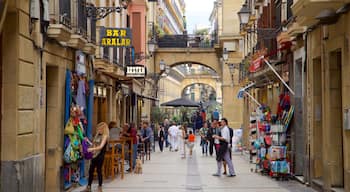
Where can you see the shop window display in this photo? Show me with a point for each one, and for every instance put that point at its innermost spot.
(270, 140)
(76, 128)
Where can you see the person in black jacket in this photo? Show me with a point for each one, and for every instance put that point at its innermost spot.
(210, 138)
(161, 138)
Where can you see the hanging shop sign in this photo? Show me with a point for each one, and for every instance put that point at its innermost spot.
(255, 65)
(115, 37)
(135, 71)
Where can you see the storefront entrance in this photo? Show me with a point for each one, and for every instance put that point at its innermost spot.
(53, 131)
(317, 132)
(335, 124)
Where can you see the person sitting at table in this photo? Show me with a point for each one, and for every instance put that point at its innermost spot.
(131, 132)
(114, 131)
(146, 135)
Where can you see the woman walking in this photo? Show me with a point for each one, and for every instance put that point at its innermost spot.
(181, 141)
(99, 150)
(161, 137)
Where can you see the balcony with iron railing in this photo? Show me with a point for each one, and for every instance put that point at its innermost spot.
(106, 53)
(81, 25)
(184, 41)
(65, 13)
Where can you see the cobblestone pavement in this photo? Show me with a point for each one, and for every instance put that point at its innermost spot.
(167, 172)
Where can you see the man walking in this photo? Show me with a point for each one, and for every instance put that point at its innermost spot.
(173, 129)
(166, 128)
(204, 142)
(223, 152)
(210, 138)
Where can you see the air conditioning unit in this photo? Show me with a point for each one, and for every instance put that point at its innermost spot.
(230, 46)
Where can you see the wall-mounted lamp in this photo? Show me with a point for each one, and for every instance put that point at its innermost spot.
(98, 13)
(225, 55)
(327, 17)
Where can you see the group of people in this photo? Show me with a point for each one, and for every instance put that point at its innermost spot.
(218, 137)
(105, 133)
(176, 137)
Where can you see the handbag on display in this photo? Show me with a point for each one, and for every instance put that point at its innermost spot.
(69, 128)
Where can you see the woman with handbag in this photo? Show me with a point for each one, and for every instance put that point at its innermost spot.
(98, 149)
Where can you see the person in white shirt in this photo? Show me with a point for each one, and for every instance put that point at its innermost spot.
(173, 129)
(224, 153)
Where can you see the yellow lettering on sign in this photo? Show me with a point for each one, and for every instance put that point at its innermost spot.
(103, 42)
(128, 42)
(123, 33)
(114, 43)
(108, 42)
(109, 32)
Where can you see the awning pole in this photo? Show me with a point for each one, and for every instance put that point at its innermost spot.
(252, 98)
(273, 69)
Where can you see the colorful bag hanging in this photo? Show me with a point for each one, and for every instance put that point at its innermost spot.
(67, 154)
(85, 145)
(69, 129)
(268, 140)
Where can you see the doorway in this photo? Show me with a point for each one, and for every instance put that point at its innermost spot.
(299, 130)
(335, 129)
(317, 157)
(52, 118)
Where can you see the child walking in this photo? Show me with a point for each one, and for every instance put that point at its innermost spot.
(191, 139)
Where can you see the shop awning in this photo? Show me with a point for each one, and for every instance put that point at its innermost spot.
(181, 102)
(148, 97)
(244, 91)
(275, 72)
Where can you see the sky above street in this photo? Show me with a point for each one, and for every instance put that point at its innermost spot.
(197, 13)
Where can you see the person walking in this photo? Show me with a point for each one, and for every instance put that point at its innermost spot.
(161, 136)
(173, 129)
(181, 138)
(204, 142)
(223, 152)
(210, 138)
(191, 140)
(99, 145)
(166, 125)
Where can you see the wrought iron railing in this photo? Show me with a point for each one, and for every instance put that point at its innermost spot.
(65, 13)
(278, 12)
(93, 30)
(106, 53)
(81, 27)
(289, 9)
(184, 41)
(115, 56)
(128, 60)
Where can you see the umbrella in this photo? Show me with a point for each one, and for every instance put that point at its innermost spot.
(181, 102)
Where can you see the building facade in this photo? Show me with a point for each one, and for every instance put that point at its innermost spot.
(326, 50)
(45, 45)
(227, 37)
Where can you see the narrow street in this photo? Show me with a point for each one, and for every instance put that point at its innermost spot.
(167, 172)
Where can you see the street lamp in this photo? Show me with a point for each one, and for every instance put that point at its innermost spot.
(244, 14)
(162, 65)
(98, 13)
(231, 68)
(225, 54)
(151, 46)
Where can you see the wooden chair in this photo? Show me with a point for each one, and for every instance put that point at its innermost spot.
(130, 141)
(117, 165)
(141, 151)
